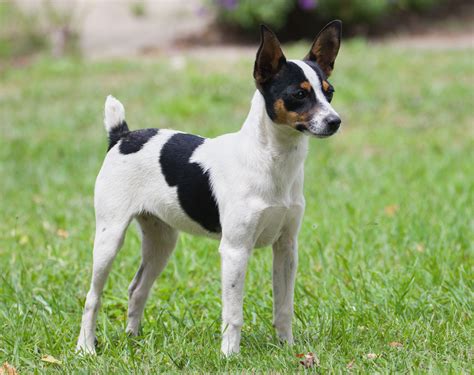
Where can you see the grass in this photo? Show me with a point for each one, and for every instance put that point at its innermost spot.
(386, 249)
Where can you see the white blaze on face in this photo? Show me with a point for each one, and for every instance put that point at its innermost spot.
(325, 109)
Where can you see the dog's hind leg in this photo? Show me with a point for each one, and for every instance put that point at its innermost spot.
(108, 241)
(158, 242)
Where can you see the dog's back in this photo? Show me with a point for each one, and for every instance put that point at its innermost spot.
(152, 172)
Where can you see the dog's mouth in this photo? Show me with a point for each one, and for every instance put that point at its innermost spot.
(307, 130)
(324, 135)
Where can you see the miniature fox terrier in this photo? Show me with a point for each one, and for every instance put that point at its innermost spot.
(244, 189)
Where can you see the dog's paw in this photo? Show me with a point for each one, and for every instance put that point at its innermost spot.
(286, 337)
(230, 340)
(228, 352)
(229, 348)
(132, 331)
(83, 348)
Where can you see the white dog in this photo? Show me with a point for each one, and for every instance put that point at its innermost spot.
(244, 188)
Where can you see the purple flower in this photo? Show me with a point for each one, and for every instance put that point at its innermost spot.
(202, 11)
(307, 4)
(228, 4)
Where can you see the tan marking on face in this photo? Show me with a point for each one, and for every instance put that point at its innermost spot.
(325, 86)
(306, 86)
(290, 118)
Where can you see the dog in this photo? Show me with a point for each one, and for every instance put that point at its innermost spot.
(243, 188)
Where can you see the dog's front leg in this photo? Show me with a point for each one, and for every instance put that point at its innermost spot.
(285, 262)
(234, 261)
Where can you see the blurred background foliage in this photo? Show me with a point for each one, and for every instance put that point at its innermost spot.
(19, 32)
(56, 30)
(50, 28)
(300, 18)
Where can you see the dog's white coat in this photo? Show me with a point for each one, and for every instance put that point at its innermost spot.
(257, 176)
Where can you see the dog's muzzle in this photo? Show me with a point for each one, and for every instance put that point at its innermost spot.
(330, 125)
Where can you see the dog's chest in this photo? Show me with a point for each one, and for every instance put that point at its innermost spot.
(270, 224)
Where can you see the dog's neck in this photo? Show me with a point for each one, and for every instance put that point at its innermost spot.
(279, 140)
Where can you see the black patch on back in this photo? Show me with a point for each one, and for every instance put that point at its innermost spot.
(116, 133)
(282, 86)
(194, 188)
(134, 141)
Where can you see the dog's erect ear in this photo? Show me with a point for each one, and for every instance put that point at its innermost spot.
(326, 46)
(270, 57)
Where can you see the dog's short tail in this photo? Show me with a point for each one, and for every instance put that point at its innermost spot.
(114, 120)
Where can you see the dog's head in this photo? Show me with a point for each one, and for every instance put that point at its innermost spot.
(297, 92)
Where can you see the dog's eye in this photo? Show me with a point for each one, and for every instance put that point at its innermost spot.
(300, 94)
(329, 96)
(329, 93)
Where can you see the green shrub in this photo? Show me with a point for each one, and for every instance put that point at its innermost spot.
(354, 11)
(19, 33)
(247, 14)
(27, 33)
(418, 5)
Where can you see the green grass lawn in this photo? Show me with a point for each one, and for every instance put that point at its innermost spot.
(386, 249)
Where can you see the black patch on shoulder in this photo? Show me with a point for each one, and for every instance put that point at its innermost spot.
(116, 133)
(194, 188)
(134, 141)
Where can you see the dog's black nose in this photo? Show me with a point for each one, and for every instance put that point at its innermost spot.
(333, 122)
